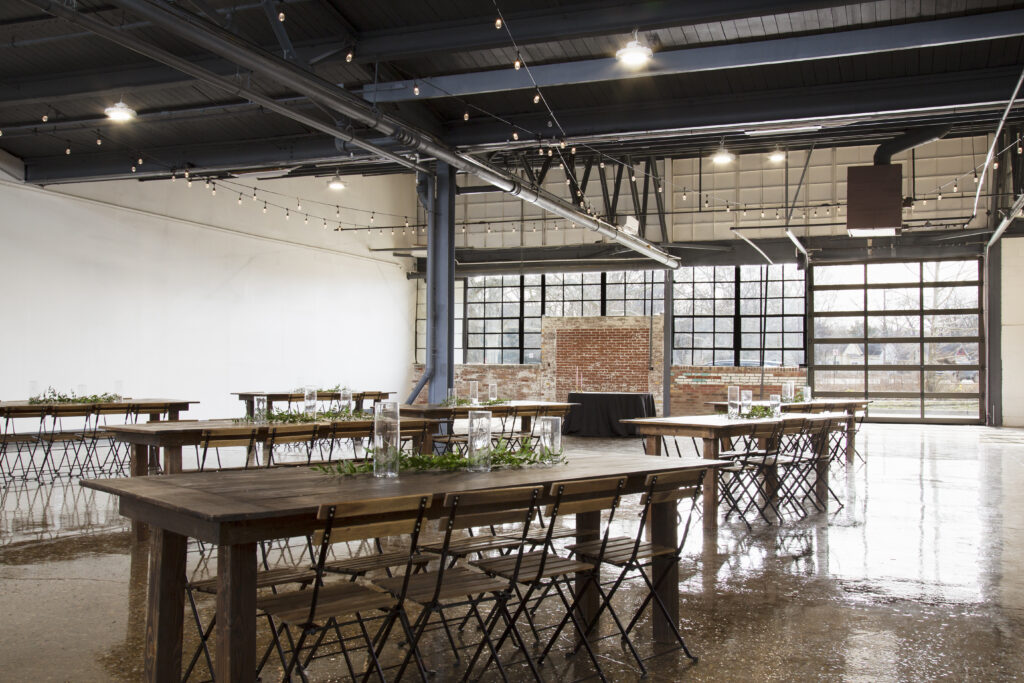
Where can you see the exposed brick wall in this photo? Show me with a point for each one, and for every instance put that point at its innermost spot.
(694, 385)
(611, 354)
(514, 381)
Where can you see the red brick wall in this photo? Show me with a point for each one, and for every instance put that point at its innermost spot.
(592, 359)
(514, 381)
(693, 385)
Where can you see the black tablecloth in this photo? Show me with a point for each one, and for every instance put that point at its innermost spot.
(598, 413)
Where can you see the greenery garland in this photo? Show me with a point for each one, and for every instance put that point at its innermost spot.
(51, 395)
(454, 402)
(758, 412)
(286, 417)
(502, 456)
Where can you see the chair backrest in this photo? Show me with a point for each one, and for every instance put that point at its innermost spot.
(227, 437)
(576, 497)
(666, 487)
(342, 519)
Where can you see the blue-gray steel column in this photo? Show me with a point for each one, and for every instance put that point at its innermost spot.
(668, 340)
(441, 283)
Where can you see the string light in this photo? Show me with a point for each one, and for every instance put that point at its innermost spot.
(1020, 148)
(67, 150)
(573, 151)
(174, 176)
(188, 181)
(140, 161)
(776, 214)
(706, 202)
(406, 222)
(254, 194)
(975, 176)
(995, 165)
(99, 140)
(348, 57)
(264, 207)
(955, 188)
(373, 215)
(280, 16)
(298, 204)
(206, 183)
(497, 23)
(727, 210)
(465, 116)
(536, 98)
(287, 216)
(325, 224)
(133, 169)
(762, 213)
(415, 90)
(47, 118)
(684, 193)
(337, 212)
(305, 220)
(213, 190)
(561, 144)
(602, 166)
(239, 198)
(518, 64)
(515, 134)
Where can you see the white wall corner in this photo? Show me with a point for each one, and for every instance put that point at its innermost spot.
(11, 167)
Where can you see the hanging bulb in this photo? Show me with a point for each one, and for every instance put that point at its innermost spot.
(133, 169)
(465, 116)
(373, 215)
(540, 151)
(254, 194)
(572, 151)
(684, 194)
(264, 207)
(407, 221)
(744, 211)
(706, 203)
(348, 57)
(337, 212)
(838, 209)
(67, 150)
(517, 64)
(140, 161)
(380, 231)
(187, 175)
(206, 183)
(727, 210)
(173, 176)
(287, 215)
(497, 23)
(975, 176)
(515, 134)
(776, 214)
(415, 90)
(280, 16)
(924, 202)
(392, 231)
(632, 176)
(325, 224)
(995, 165)
(955, 188)
(239, 199)
(189, 182)
(826, 211)
(45, 118)
(99, 141)
(305, 220)
(213, 190)
(562, 144)
(536, 98)
(602, 166)
(1020, 148)
(298, 205)
(762, 213)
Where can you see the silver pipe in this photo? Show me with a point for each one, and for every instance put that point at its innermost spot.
(995, 141)
(199, 73)
(227, 45)
(1015, 211)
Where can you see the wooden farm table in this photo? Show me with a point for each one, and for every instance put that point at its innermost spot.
(153, 407)
(716, 431)
(171, 436)
(525, 410)
(234, 510)
(848, 406)
(358, 397)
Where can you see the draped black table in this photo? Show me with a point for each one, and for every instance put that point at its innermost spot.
(597, 413)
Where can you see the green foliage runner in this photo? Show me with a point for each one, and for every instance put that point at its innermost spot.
(51, 395)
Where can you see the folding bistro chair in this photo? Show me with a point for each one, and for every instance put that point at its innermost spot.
(544, 570)
(636, 556)
(451, 587)
(230, 437)
(750, 477)
(324, 608)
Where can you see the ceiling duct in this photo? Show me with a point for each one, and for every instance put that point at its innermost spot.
(875, 193)
(226, 44)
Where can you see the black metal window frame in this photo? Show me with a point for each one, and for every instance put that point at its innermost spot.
(719, 318)
(921, 340)
(585, 293)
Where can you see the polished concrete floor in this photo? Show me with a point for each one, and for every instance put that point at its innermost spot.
(919, 577)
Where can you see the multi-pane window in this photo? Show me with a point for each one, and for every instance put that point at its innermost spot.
(572, 294)
(905, 335)
(493, 312)
(739, 315)
(634, 292)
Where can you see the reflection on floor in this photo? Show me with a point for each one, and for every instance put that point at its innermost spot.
(918, 577)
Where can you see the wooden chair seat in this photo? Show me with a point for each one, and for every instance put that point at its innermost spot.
(458, 582)
(17, 438)
(473, 544)
(619, 551)
(541, 535)
(368, 563)
(344, 597)
(530, 569)
(265, 579)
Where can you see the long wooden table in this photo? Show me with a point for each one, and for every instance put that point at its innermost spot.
(234, 510)
(848, 406)
(170, 437)
(714, 431)
(153, 407)
(359, 398)
(524, 410)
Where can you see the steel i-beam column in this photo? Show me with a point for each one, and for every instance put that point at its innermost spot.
(441, 283)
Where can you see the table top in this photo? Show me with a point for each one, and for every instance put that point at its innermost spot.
(292, 395)
(431, 408)
(240, 496)
(17, 408)
(797, 405)
(612, 393)
(719, 424)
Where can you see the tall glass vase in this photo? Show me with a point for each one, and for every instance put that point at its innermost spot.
(549, 437)
(386, 439)
(479, 458)
(309, 400)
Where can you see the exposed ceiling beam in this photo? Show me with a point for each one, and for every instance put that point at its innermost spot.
(834, 105)
(563, 23)
(917, 35)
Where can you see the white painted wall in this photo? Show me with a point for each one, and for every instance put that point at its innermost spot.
(1013, 330)
(190, 296)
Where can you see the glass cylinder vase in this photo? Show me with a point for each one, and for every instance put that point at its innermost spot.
(309, 400)
(734, 402)
(549, 437)
(479, 455)
(386, 439)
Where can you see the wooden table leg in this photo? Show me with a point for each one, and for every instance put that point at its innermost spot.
(821, 479)
(138, 464)
(235, 655)
(663, 532)
(154, 451)
(166, 608)
(851, 433)
(652, 445)
(588, 528)
(172, 459)
(711, 487)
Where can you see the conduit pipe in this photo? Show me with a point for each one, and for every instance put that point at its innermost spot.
(224, 43)
(115, 36)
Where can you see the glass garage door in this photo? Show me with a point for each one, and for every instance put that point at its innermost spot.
(905, 335)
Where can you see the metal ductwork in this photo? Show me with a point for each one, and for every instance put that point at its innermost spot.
(226, 44)
(914, 138)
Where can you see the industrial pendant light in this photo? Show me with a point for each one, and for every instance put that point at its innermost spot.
(120, 112)
(336, 183)
(635, 54)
